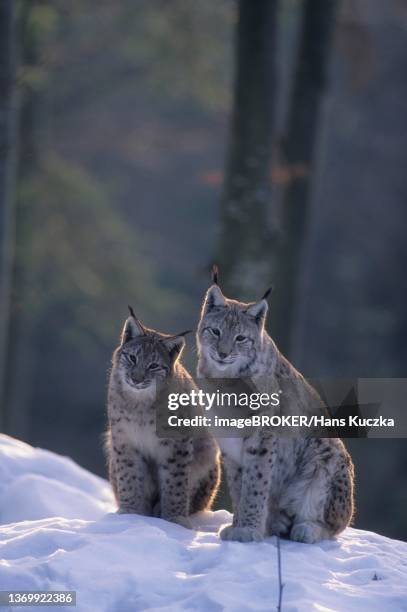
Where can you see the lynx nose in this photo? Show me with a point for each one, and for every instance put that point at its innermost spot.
(222, 355)
(137, 378)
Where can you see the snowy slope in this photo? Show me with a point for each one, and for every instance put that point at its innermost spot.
(65, 535)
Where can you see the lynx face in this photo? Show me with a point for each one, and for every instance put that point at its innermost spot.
(230, 332)
(146, 357)
(142, 363)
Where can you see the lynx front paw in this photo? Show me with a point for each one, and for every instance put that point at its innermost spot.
(181, 520)
(240, 534)
(308, 532)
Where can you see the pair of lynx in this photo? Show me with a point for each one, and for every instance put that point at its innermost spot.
(298, 487)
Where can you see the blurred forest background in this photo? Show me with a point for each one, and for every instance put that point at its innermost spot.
(140, 141)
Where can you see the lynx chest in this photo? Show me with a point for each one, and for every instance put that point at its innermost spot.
(232, 448)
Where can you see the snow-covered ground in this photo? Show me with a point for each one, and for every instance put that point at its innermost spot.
(59, 531)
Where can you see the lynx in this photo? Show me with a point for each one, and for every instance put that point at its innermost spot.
(299, 487)
(167, 478)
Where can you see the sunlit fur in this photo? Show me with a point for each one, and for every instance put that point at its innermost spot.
(144, 358)
(230, 334)
(300, 487)
(169, 478)
(143, 362)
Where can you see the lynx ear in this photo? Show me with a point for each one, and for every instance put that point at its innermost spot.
(214, 297)
(132, 328)
(259, 312)
(175, 345)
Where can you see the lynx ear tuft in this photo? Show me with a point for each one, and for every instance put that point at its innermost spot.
(215, 274)
(259, 312)
(268, 293)
(131, 311)
(214, 297)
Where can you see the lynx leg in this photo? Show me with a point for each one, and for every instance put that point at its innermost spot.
(234, 480)
(205, 489)
(321, 501)
(339, 507)
(173, 477)
(131, 481)
(250, 523)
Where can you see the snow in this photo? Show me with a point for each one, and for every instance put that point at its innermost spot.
(59, 531)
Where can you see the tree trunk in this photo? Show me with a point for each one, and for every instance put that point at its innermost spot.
(244, 248)
(8, 163)
(21, 352)
(317, 27)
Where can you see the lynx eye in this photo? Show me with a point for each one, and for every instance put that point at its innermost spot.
(240, 338)
(215, 331)
(153, 366)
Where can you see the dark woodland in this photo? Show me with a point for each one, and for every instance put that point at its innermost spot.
(141, 143)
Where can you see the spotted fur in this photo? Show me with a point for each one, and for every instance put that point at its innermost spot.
(299, 487)
(168, 478)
